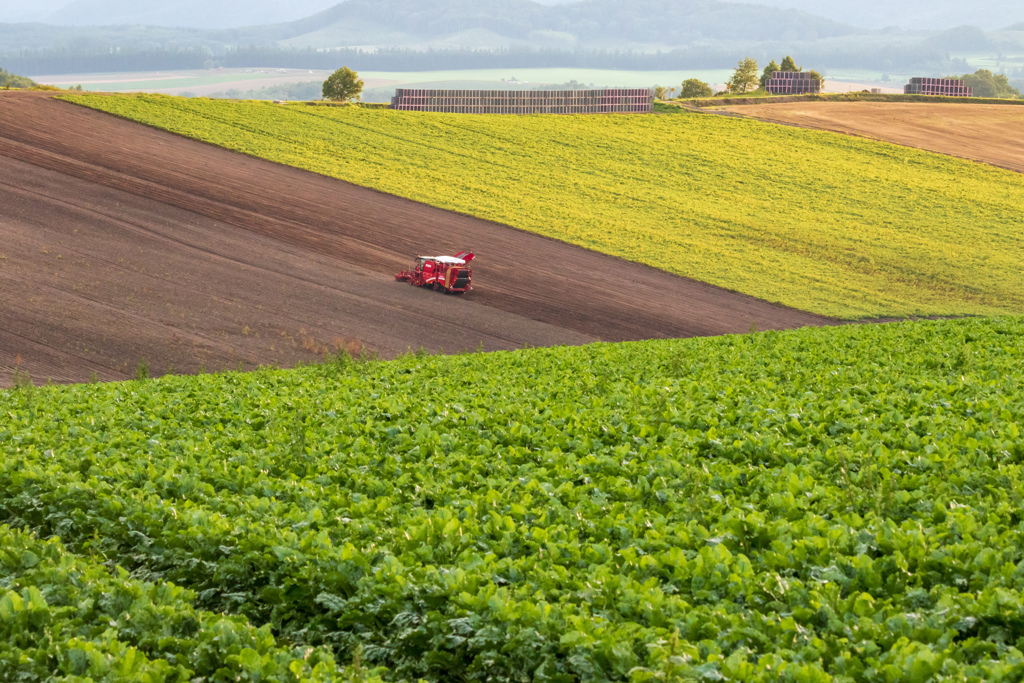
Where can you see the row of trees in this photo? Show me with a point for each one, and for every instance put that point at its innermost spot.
(106, 61)
(344, 84)
(747, 77)
(691, 87)
(9, 80)
(987, 84)
(894, 57)
(60, 61)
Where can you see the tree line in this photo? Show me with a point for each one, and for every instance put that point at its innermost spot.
(64, 61)
(987, 84)
(401, 59)
(746, 78)
(749, 78)
(9, 80)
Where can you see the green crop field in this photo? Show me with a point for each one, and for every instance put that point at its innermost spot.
(63, 616)
(824, 504)
(819, 221)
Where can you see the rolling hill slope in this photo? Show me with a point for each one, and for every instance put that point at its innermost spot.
(818, 221)
(121, 243)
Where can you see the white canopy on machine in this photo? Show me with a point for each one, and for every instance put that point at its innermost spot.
(449, 260)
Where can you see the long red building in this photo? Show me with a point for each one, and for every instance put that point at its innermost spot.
(950, 87)
(603, 101)
(793, 83)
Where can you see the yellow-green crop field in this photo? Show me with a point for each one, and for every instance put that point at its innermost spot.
(819, 221)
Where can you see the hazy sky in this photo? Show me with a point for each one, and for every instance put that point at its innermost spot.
(89, 12)
(923, 14)
(194, 13)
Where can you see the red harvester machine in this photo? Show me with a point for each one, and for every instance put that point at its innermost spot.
(449, 274)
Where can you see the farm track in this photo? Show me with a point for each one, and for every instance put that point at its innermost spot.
(121, 243)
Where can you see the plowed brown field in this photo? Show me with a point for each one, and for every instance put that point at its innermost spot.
(990, 133)
(120, 243)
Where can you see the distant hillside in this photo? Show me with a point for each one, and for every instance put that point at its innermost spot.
(963, 39)
(483, 24)
(971, 39)
(930, 15)
(591, 23)
(454, 34)
(638, 25)
(221, 14)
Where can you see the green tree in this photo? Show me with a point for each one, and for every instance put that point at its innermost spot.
(789, 65)
(768, 71)
(745, 77)
(987, 84)
(9, 80)
(660, 93)
(342, 85)
(693, 87)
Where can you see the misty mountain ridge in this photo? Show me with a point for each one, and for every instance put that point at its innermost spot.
(612, 24)
(200, 14)
(633, 25)
(228, 14)
(397, 35)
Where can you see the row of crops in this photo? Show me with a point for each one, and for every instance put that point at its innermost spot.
(822, 222)
(828, 504)
(72, 617)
